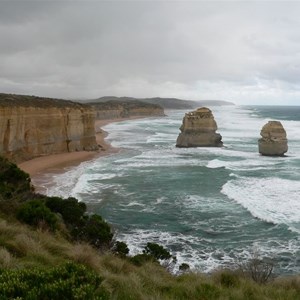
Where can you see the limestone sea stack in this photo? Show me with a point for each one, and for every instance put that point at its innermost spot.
(273, 141)
(198, 129)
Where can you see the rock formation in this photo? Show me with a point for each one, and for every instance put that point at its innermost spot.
(198, 129)
(273, 141)
(32, 126)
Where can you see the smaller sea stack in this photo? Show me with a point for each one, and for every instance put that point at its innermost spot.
(273, 141)
(198, 129)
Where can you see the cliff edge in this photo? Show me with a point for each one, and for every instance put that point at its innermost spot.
(34, 126)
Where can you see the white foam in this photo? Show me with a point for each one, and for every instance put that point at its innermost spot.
(252, 163)
(160, 200)
(200, 253)
(134, 203)
(63, 184)
(272, 199)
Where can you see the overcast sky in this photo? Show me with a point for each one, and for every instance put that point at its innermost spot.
(242, 51)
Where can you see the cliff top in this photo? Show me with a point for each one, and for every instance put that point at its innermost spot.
(28, 101)
(127, 104)
(166, 103)
(199, 111)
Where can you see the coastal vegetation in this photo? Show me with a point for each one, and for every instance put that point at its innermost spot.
(13, 100)
(52, 248)
(166, 103)
(124, 108)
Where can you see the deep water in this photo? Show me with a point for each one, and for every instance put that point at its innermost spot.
(212, 207)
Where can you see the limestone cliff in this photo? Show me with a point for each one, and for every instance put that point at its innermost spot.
(198, 129)
(273, 141)
(33, 126)
(123, 109)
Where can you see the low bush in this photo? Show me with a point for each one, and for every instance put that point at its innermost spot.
(36, 214)
(184, 267)
(94, 231)
(71, 209)
(69, 281)
(141, 259)
(161, 254)
(120, 248)
(13, 181)
(157, 251)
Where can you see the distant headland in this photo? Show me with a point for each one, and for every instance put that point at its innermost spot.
(166, 103)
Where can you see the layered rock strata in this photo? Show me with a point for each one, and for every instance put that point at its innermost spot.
(273, 141)
(198, 129)
(121, 109)
(32, 126)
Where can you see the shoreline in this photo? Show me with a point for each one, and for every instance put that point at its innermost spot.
(57, 163)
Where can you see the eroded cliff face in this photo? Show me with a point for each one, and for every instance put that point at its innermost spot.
(198, 129)
(118, 110)
(36, 127)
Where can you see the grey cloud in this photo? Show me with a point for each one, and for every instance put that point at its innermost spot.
(181, 49)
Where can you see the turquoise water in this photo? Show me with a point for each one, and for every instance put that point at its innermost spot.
(212, 207)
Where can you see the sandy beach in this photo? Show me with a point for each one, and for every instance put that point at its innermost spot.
(58, 162)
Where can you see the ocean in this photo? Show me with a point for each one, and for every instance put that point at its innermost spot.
(211, 207)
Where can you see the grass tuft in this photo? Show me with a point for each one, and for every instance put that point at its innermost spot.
(6, 259)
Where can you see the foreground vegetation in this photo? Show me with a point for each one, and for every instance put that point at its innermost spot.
(51, 248)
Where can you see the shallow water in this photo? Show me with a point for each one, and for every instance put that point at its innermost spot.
(212, 207)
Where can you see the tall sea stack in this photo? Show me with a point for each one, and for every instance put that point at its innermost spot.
(273, 141)
(198, 129)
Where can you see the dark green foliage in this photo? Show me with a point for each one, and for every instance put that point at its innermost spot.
(35, 213)
(69, 281)
(13, 181)
(95, 231)
(120, 248)
(184, 267)
(153, 253)
(91, 229)
(71, 209)
(157, 251)
(141, 259)
(40, 210)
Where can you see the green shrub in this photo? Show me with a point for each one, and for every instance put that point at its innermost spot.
(184, 267)
(157, 251)
(71, 210)
(69, 281)
(13, 181)
(35, 213)
(120, 248)
(141, 259)
(94, 231)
